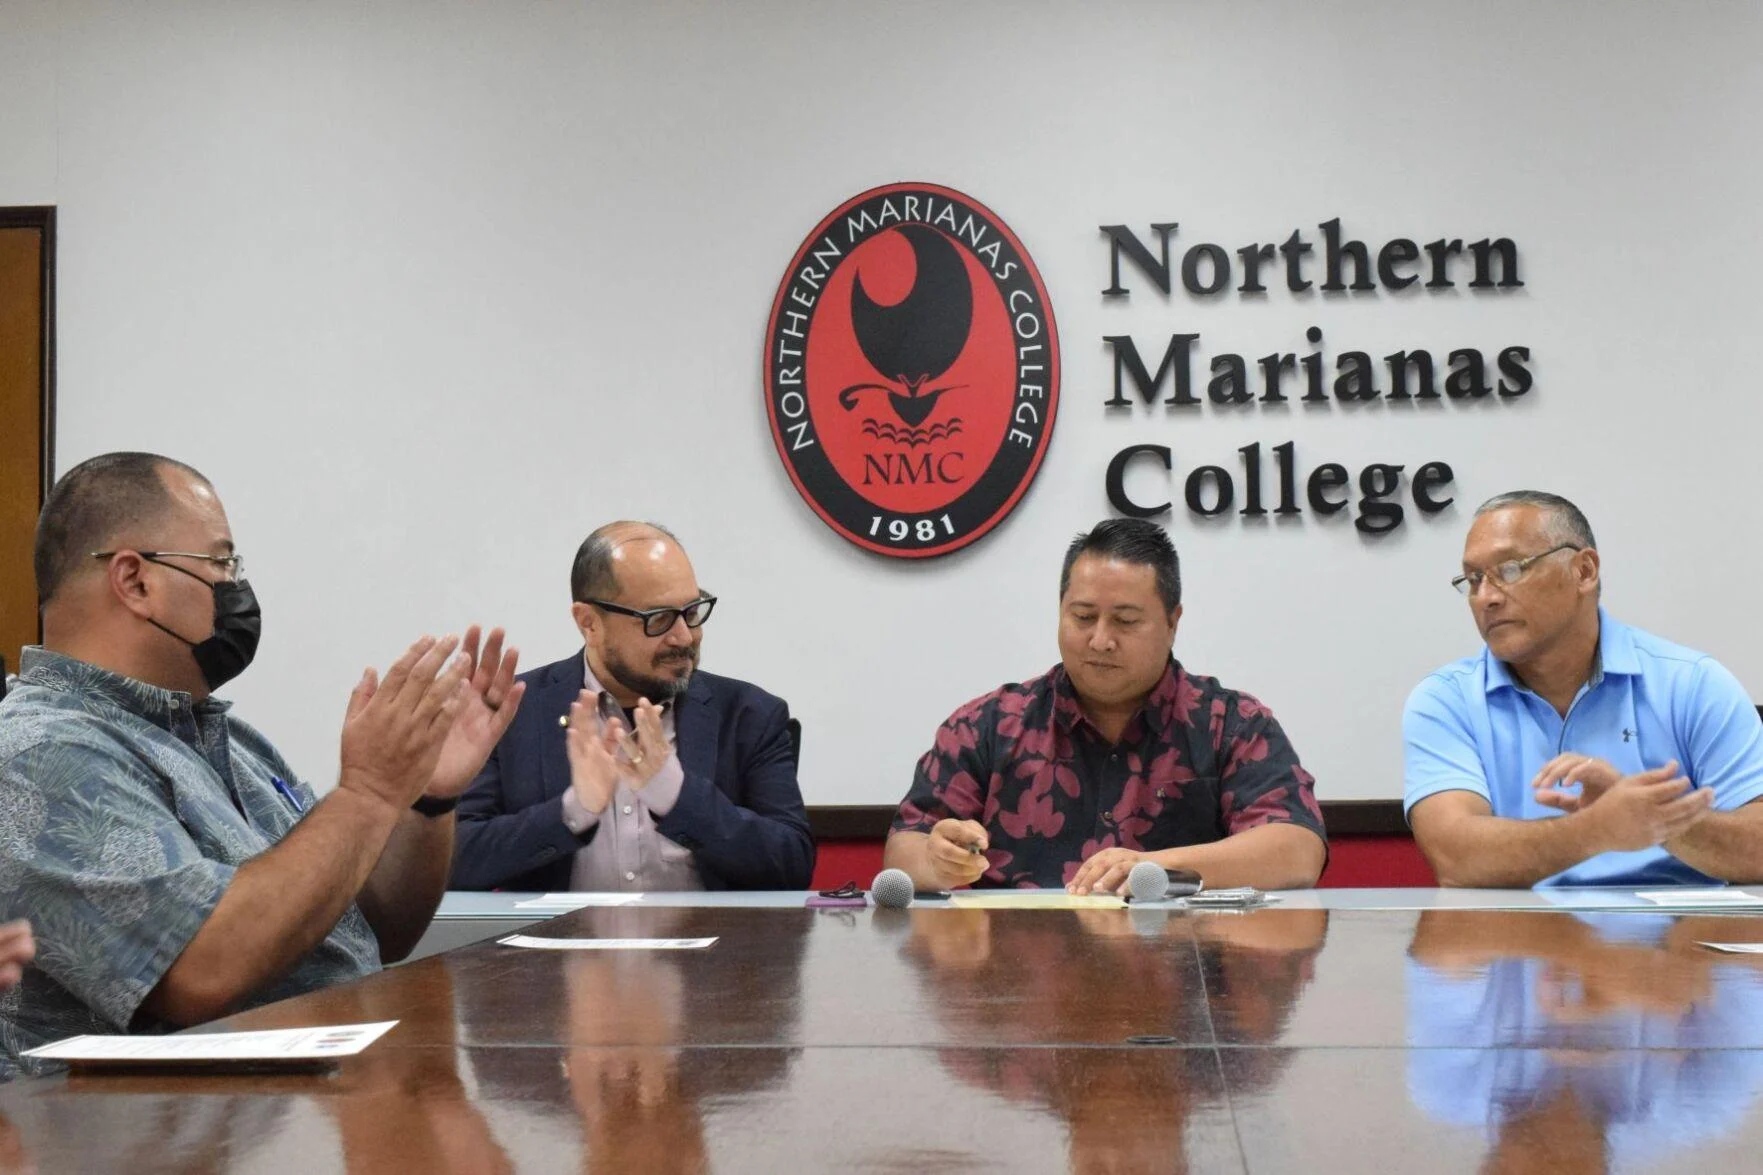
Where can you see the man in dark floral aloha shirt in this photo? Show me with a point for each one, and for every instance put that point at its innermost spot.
(1115, 756)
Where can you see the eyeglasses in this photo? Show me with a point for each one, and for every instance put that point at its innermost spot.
(1505, 574)
(232, 567)
(657, 621)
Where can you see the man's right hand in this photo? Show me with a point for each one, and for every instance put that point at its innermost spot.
(1640, 811)
(1590, 775)
(593, 753)
(956, 850)
(394, 730)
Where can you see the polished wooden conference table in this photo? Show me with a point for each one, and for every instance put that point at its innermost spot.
(1383, 1031)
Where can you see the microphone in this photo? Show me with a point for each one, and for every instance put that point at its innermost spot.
(1147, 882)
(892, 889)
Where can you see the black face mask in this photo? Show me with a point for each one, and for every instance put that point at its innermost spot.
(238, 624)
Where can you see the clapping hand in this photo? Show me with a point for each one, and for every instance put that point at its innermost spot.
(488, 700)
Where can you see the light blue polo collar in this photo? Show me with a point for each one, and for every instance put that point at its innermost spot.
(1616, 658)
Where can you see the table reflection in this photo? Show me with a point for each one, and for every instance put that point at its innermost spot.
(638, 1107)
(1255, 967)
(1126, 973)
(1584, 1042)
(15, 1157)
(408, 1108)
(141, 1124)
(393, 1108)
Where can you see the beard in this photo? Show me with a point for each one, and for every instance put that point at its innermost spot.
(657, 688)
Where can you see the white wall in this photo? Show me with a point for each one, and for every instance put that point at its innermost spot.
(431, 290)
(27, 102)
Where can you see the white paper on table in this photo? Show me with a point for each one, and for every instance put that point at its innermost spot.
(1735, 948)
(281, 1044)
(606, 944)
(1723, 896)
(577, 901)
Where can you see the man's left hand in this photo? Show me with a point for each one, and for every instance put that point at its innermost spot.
(1105, 872)
(17, 948)
(490, 698)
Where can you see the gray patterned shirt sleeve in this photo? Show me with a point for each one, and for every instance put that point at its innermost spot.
(95, 857)
(125, 811)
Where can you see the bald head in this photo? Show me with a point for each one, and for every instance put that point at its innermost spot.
(615, 546)
(98, 502)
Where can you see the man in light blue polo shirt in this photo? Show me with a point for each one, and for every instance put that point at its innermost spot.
(1573, 749)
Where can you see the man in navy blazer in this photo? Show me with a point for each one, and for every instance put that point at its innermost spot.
(702, 794)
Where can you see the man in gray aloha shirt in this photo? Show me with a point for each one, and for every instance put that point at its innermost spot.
(174, 867)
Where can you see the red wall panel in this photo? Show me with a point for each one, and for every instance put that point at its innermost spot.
(1353, 862)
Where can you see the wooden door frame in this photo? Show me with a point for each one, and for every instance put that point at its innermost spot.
(42, 218)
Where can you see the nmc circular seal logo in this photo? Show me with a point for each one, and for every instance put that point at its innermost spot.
(912, 370)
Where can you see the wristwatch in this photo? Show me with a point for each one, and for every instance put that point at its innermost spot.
(434, 806)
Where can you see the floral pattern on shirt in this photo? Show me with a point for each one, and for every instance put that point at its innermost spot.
(1199, 762)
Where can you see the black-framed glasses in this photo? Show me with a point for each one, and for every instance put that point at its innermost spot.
(657, 621)
(1505, 574)
(232, 567)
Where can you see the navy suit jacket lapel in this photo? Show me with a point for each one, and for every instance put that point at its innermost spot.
(561, 687)
(695, 729)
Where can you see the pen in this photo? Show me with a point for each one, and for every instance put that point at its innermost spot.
(281, 785)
